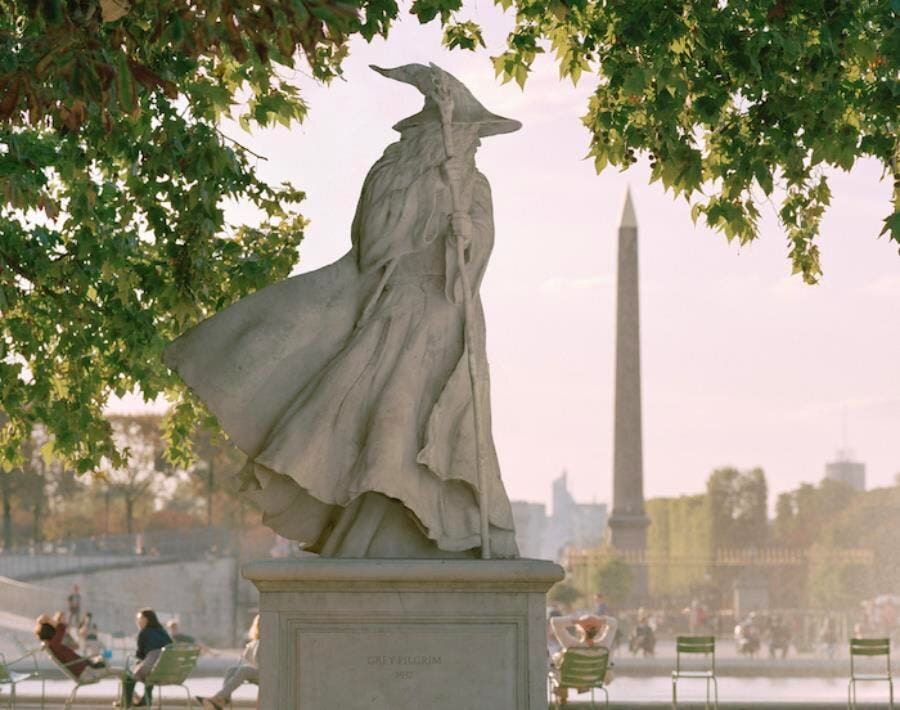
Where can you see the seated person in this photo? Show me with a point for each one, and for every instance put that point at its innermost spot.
(247, 670)
(642, 638)
(553, 645)
(594, 634)
(87, 633)
(52, 631)
(177, 635)
(151, 640)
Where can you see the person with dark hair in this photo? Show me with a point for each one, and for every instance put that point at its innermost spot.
(52, 632)
(643, 637)
(151, 640)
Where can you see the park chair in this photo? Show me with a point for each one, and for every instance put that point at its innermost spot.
(12, 678)
(581, 669)
(175, 663)
(870, 648)
(80, 681)
(690, 645)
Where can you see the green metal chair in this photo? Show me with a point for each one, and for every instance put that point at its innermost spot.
(581, 669)
(870, 648)
(175, 663)
(12, 678)
(690, 645)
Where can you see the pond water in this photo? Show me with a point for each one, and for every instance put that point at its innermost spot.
(623, 688)
(744, 689)
(109, 689)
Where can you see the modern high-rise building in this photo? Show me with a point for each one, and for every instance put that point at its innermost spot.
(845, 470)
(543, 536)
(531, 524)
(573, 524)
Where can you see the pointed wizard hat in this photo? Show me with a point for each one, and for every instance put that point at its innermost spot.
(466, 108)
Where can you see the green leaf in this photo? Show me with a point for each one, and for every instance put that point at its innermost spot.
(696, 210)
(463, 35)
(48, 453)
(892, 227)
(125, 87)
(634, 82)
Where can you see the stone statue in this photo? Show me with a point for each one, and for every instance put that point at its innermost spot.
(354, 389)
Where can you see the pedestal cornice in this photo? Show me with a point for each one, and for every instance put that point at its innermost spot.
(352, 575)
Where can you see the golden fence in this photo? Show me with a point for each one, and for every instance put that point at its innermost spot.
(738, 557)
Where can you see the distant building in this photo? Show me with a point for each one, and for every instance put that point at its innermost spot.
(541, 536)
(853, 473)
(531, 523)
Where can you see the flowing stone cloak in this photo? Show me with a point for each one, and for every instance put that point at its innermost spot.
(257, 363)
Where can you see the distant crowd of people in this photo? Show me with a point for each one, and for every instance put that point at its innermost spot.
(782, 631)
(756, 629)
(775, 634)
(84, 657)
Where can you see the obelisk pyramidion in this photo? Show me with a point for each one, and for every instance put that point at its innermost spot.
(628, 523)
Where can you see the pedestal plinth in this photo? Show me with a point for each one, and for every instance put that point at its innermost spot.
(403, 634)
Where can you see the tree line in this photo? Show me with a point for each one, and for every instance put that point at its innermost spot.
(44, 501)
(815, 526)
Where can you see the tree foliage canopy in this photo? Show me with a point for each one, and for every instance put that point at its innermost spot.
(831, 524)
(563, 593)
(44, 502)
(614, 580)
(830, 517)
(738, 503)
(115, 174)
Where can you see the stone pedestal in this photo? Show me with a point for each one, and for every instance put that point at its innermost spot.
(403, 634)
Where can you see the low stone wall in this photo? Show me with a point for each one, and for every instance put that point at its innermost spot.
(26, 599)
(28, 567)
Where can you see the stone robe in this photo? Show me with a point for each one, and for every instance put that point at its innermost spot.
(360, 438)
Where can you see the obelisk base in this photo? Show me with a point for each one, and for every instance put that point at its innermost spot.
(403, 634)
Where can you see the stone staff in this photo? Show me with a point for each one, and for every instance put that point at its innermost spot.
(462, 230)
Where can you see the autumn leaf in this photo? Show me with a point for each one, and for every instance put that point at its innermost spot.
(112, 10)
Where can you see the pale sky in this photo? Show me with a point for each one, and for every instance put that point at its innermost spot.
(743, 364)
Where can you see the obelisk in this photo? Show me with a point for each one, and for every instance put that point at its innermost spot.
(628, 523)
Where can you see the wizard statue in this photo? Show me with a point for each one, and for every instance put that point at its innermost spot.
(359, 392)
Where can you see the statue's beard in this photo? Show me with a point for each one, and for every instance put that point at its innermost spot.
(421, 148)
(402, 191)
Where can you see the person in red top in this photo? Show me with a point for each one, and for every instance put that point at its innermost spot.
(52, 631)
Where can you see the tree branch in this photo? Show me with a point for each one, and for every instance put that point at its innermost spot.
(239, 145)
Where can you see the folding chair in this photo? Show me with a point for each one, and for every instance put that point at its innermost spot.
(175, 663)
(79, 680)
(870, 647)
(12, 678)
(31, 653)
(581, 669)
(705, 645)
